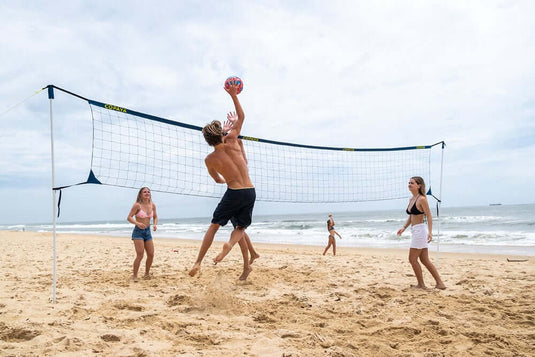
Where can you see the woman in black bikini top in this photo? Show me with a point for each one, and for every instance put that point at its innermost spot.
(421, 234)
(414, 210)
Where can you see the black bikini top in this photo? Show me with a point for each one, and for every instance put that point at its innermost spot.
(414, 210)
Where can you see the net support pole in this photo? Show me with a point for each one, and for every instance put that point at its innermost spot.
(51, 97)
(439, 203)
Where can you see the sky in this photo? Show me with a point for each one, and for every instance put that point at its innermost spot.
(338, 73)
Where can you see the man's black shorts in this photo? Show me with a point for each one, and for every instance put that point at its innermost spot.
(236, 206)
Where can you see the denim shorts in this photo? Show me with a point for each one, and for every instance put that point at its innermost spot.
(143, 234)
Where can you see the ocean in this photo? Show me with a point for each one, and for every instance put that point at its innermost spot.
(496, 229)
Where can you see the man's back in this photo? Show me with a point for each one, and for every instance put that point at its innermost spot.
(227, 159)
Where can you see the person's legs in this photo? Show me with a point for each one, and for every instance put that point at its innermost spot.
(140, 249)
(252, 251)
(424, 258)
(331, 240)
(413, 259)
(236, 235)
(206, 243)
(334, 246)
(328, 245)
(149, 248)
(245, 253)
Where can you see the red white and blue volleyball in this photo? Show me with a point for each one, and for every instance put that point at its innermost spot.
(236, 81)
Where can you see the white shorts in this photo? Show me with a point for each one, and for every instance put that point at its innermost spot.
(419, 236)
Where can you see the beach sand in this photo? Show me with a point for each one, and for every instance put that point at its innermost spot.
(295, 302)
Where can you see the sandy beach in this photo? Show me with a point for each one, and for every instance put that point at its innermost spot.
(295, 302)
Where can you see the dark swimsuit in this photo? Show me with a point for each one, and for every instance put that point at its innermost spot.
(330, 229)
(414, 210)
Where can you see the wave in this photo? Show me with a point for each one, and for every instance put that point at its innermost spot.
(500, 227)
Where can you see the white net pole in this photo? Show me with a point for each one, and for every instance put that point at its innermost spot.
(51, 98)
(439, 203)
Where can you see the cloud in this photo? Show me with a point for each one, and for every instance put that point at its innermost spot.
(345, 74)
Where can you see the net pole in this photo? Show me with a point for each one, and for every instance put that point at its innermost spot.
(51, 97)
(440, 202)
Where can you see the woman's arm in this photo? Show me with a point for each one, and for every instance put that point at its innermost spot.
(424, 207)
(133, 211)
(154, 217)
(407, 223)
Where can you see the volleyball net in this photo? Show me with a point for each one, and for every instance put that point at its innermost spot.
(133, 149)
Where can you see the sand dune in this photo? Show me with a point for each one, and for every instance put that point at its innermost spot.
(296, 302)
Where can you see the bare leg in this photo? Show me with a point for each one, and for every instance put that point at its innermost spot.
(328, 245)
(235, 237)
(245, 253)
(424, 258)
(206, 243)
(334, 246)
(140, 249)
(413, 259)
(149, 247)
(252, 252)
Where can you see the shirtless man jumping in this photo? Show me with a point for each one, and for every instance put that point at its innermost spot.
(228, 164)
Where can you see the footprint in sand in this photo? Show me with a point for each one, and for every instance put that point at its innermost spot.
(14, 334)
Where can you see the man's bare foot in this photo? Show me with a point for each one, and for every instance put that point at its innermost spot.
(419, 287)
(226, 249)
(440, 286)
(253, 258)
(195, 269)
(146, 277)
(134, 279)
(245, 273)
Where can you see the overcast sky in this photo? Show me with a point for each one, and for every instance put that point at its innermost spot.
(336, 73)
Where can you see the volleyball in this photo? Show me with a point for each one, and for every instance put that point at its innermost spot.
(234, 80)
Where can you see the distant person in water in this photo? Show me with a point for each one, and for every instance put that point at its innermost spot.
(422, 234)
(227, 164)
(332, 233)
(140, 215)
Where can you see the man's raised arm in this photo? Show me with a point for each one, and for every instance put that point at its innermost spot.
(236, 126)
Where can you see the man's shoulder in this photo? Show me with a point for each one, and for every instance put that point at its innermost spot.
(214, 156)
(210, 156)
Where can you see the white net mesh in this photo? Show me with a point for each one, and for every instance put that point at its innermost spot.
(132, 149)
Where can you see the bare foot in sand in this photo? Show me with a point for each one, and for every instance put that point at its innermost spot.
(245, 273)
(146, 277)
(419, 287)
(134, 279)
(253, 258)
(195, 269)
(226, 249)
(440, 286)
